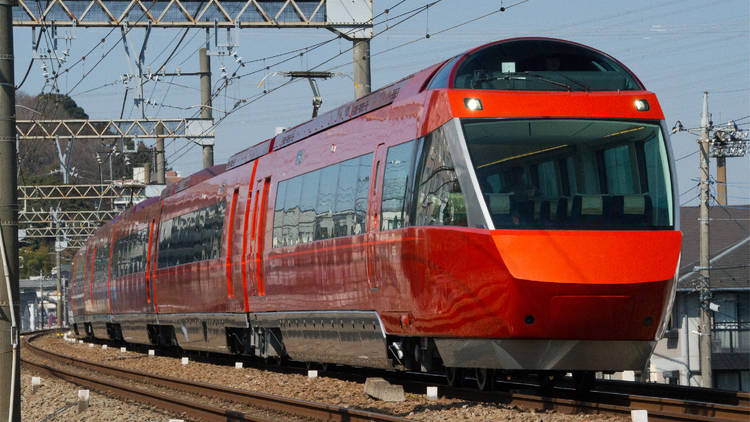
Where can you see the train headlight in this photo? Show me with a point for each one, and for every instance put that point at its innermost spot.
(642, 105)
(473, 104)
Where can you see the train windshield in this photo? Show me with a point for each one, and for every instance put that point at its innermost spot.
(574, 174)
(542, 65)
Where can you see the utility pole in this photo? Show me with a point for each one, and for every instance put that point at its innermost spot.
(362, 81)
(705, 292)
(10, 394)
(58, 248)
(160, 178)
(205, 70)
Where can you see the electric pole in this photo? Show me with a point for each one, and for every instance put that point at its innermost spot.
(705, 291)
(160, 178)
(10, 394)
(362, 81)
(59, 248)
(206, 113)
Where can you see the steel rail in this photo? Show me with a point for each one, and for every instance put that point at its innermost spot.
(560, 399)
(603, 402)
(197, 410)
(271, 402)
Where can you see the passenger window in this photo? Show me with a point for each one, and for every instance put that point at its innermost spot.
(191, 237)
(363, 192)
(439, 198)
(278, 214)
(398, 168)
(310, 184)
(343, 217)
(290, 229)
(329, 177)
(325, 203)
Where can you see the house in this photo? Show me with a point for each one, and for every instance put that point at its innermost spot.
(676, 358)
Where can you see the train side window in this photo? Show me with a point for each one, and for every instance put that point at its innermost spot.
(398, 166)
(308, 201)
(326, 200)
(343, 216)
(278, 213)
(290, 229)
(363, 192)
(439, 197)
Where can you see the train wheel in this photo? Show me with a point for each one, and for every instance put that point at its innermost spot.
(485, 378)
(455, 376)
(584, 380)
(548, 381)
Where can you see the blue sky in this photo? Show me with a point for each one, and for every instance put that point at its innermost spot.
(678, 49)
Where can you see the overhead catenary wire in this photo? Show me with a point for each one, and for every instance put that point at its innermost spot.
(244, 103)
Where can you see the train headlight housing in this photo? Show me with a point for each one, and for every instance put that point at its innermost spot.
(642, 105)
(473, 104)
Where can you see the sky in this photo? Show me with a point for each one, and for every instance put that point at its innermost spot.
(678, 49)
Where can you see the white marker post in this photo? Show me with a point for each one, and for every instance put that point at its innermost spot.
(185, 361)
(151, 353)
(639, 415)
(36, 383)
(104, 347)
(432, 393)
(312, 374)
(238, 365)
(83, 400)
(123, 350)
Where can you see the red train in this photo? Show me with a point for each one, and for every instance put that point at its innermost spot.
(511, 208)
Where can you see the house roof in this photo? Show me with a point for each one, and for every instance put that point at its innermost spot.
(729, 245)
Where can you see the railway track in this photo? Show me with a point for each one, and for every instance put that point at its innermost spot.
(662, 402)
(191, 408)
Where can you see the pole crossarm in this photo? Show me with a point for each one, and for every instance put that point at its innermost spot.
(45, 217)
(81, 232)
(44, 192)
(191, 13)
(113, 129)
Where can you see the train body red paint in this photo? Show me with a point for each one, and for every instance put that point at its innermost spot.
(511, 208)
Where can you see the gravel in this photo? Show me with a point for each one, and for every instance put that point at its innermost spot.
(56, 400)
(322, 389)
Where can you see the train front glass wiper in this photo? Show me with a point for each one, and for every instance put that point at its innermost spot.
(523, 76)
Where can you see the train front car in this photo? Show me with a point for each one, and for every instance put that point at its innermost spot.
(556, 161)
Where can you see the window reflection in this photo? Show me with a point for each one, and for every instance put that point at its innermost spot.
(192, 237)
(322, 204)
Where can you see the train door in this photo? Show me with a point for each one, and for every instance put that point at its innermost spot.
(373, 220)
(229, 239)
(153, 304)
(150, 265)
(250, 210)
(257, 235)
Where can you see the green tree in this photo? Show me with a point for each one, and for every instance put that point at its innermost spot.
(36, 258)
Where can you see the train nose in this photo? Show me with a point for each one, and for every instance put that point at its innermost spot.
(589, 284)
(586, 256)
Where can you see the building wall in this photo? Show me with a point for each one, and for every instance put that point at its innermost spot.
(680, 349)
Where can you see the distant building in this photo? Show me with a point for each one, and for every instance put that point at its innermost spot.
(676, 358)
